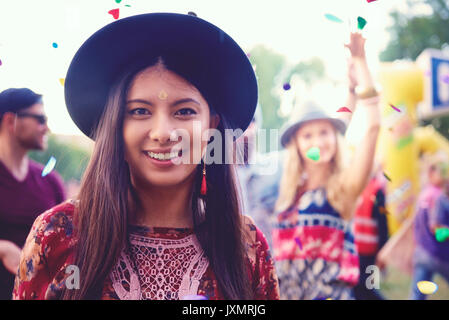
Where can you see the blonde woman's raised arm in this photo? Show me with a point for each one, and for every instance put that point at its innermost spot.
(359, 170)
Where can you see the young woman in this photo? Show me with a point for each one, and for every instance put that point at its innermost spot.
(145, 226)
(313, 246)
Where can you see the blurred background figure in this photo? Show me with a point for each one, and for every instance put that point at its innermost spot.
(313, 243)
(370, 231)
(431, 256)
(24, 193)
(259, 175)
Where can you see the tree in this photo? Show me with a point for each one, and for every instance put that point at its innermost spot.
(71, 160)
(413, 32)
(272, 72)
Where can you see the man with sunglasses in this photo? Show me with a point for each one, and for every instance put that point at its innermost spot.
(24, 193)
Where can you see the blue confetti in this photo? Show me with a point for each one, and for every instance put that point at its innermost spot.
(49, 166)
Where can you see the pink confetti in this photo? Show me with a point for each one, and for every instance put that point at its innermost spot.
(398, 110)
(114, 13)
(344, 109)
(298, 242)
(370, 1)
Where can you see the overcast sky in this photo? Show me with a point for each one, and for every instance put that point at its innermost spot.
(296, 29)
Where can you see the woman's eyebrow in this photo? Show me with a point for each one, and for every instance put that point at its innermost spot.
(178, 102)
(139, 101)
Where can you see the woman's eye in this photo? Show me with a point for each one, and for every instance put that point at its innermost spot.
(185, 112)
(139, 112)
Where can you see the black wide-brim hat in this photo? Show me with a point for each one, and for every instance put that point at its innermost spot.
(193, 48)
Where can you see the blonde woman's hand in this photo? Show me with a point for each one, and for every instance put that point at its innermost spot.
(10, 255)
(356, 45)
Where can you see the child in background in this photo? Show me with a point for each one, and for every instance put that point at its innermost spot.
(431, 256)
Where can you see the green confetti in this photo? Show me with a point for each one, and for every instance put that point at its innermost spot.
(361, 23)
(118, 1)
(442, 234)
(404, 142)
(387, 177)
(313, 153)
(333, 18)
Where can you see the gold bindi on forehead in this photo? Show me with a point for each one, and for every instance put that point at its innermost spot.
(163, 95)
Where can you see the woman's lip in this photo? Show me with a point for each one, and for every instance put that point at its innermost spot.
(161, 163)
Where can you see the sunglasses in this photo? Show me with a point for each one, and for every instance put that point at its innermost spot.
(39, 117)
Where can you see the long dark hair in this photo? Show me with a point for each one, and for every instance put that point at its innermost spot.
(106, 200)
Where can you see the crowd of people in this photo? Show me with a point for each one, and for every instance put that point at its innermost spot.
(145, 227)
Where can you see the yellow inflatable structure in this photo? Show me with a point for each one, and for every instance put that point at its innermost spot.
(401, 141)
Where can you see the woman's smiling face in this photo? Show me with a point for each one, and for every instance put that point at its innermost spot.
(320, 134)
(159, 102)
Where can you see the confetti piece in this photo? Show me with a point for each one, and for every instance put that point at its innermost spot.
(54, 45)
(114, 13)
(387, 177)
(427, 287)
(191, 13)
(49, 166)
(62, 81)
(344, 109)
(398, 110)
(0, 62)
(333, 18)
(118, 1)
(298, 242)
(127, 5)
(313, 153)
(442, 234)
(361, 23)
(286, 86)
(404, 141)
(370, 1)
(194, 297)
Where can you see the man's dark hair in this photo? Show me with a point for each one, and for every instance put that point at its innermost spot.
(15, 99)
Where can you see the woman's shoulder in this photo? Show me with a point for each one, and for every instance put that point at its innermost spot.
(254, 238)
(55, 222)
(48, 248)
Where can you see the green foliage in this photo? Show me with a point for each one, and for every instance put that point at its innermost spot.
(272, 71)
(71, 161)
(413, 32)
(441, 124)
(269, 65)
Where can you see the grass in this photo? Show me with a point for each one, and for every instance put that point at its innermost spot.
(395, 285)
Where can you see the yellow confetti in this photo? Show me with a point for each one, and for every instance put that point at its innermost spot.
(427, 287)
(62, 81)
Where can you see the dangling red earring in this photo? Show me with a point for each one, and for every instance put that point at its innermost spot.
(203, 190)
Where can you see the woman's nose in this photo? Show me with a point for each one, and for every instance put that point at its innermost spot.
(161, 129)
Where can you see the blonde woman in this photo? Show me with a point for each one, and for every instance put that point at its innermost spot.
(313, 246)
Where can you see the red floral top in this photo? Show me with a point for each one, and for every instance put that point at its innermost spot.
(161, 263)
